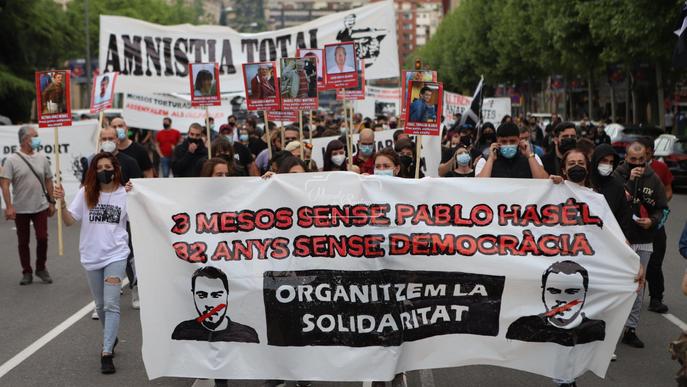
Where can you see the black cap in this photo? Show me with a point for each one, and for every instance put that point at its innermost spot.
(508, 129)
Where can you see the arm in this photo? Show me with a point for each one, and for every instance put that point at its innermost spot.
(538, 172)
(67, 217)
(253, 169)
(683, 242)
(486, 170)
(9, 211)
(669, 191)
(445, 168)
(148, 173)
(49, 189)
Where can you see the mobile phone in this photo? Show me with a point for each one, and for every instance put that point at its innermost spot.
(635, 217)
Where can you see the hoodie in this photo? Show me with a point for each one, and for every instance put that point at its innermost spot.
(184, 163)
(613, 190)
(647, 199)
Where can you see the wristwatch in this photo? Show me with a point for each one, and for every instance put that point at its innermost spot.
(531, 155)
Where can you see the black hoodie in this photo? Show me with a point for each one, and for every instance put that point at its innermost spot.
(184, 163)
(646, 192)
(612, 189)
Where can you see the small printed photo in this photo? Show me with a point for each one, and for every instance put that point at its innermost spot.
(261, 80)
(53, 92)
(424, 102)
(385, 109)
(316, 53)
(204, 80)
(103, 86)
(298, 78)
(340, 58)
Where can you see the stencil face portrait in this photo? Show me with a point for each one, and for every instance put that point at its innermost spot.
(564, 289)
(209, 293)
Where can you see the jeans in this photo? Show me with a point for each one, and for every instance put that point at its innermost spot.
(654, 271)
(633, 318)
(165, 163)
(105, 285)
(40, 226)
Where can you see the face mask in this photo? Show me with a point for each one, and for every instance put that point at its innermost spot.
(243, 137)
(577, 173)
(105, 177)
(406, 160)
(121, 133)
(212, 127)
(338, 159)
(229, 137)
(367, 150)
(463, 159)
(567, 144)
(632, 166)
(35, 143)
(489, 137)
(166, 126)
(384, 172)
(342, 130)
(466, 140)
(196, 141)
(508, 151)
(108, 146)
(605, 169)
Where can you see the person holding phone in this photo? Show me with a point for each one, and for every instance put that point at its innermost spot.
(510, 157)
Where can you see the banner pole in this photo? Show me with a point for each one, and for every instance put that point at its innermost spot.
(58, 180)
(300, 133)
(100, 127)
(281, 132)
(269, 137)
(207, 130)
(310, 127)
(418, 155)
(349, 142)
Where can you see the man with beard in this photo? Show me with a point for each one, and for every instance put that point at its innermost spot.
(262, 84)
(52, 98)
(564, 139)
(187, 155)
(210, 289)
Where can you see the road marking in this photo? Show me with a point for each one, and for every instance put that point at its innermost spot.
(48, 337)
(679, 323)
(426, 378)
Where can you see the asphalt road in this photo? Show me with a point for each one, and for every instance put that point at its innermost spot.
(71, 358)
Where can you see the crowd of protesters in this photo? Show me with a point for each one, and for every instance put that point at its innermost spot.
(637, 188)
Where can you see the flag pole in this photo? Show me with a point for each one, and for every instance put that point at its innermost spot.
(58, 180)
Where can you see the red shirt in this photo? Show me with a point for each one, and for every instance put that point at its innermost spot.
(662, 171)
(168, 139)
(366, 166)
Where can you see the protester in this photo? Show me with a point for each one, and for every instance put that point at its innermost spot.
(510, 157)
(167, 139)
(108, 143)
(132, 149)
(29, 175)
(366, 148)
(386, 163)
(215, 167)
(574, 167)
(604, 161)
(526, 135)
(245, 157)
(335, 158)
(648, 200)
(486, 138)
(460, 164)
(601, 136)
(564, 139)
(406, 152)
(103, 242)
(189, 153)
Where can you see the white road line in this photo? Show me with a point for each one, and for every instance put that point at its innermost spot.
(426, 378)
(679, 323)
(48, 337)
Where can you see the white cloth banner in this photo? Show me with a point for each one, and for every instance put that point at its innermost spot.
(154, 58)
(380, 101)
(431, 149)
(76, 141)
(343, 277)
(493, 109)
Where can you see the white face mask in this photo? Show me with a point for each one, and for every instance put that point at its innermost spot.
(605, 169)
(338, 159)
(108, 146)
(384, 172)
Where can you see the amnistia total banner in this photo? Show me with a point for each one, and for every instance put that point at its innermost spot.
(154, 58)
(343, 277)
(431, 149)
(76, 141)
(493, 109)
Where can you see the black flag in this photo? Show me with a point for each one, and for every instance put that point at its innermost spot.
(472, 115)
(680, 51)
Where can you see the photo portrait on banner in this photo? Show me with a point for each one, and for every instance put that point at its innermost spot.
(424, 101)
(340, 65)
(316, 52)
(53, 98)
(102, 92)
(413, 75)
(261, 85)
(357, 92)
(298, 87)
(204, 79)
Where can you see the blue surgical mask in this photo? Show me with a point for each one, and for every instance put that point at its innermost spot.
(367, 149)
(508, 151)
(35, 143)
(229, 137)
(121, 133)
(243, 137)
(463, 159)
(384, 172)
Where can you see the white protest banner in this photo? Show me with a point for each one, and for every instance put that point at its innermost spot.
(380, 101)
(76, 141)
(153, 58)
(431, 153)
(147, 111)
(344, 277)
(493, 109)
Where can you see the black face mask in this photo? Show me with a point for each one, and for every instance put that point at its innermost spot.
(166, 126)
(105, 177)
(577, 173)
(197, 141)
(489, 137)
(567, 144)
(406, 160)
(633, 166)
(466, 140)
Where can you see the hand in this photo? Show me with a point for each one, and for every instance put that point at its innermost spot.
(556, 179)
(525, 148)
(636, 172)
(640, 278)
(267, 175)
(128, 186)
(494, 149)
(10, 213)
(51, 210)
(644, 223)
(192, 147)
(58, 192)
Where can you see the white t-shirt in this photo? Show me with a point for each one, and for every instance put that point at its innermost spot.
(103, 238)
(481, 162)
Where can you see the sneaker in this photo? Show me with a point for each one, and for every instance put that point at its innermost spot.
(115, 346)
(26, 279)
(44, 276)
(94, 315)
(656, 305)
(221, 383)
(302, 383)
(106, 364)
(630, 338)
(573, 384)
(135, 303)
